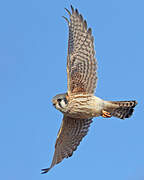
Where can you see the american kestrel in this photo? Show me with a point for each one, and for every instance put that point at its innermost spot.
(79, 105)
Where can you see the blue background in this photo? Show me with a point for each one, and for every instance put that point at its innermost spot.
(33, 50)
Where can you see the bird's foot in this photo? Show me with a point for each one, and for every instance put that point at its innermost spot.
(106, 114)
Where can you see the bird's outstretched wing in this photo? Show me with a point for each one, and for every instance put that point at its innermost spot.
(69, 136)
(81, 61)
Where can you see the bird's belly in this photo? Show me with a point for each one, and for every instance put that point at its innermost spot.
(85, 109)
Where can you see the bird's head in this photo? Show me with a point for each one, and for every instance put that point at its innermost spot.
(60, 102)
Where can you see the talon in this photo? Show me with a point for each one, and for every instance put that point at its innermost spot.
(106, 114)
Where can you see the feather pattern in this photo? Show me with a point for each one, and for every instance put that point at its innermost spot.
(69, 137)
(81, 61)
(120, 109)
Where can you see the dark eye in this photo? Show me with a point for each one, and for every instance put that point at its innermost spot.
(59, 100)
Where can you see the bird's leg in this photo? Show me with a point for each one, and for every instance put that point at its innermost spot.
(106, 114)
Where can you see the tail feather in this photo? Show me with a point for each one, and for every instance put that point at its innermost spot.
(121, 109)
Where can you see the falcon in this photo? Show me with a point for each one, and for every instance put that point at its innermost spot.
(78, 104)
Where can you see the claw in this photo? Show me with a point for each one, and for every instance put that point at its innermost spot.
(106, 114)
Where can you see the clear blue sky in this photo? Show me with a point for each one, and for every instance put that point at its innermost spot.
(33, 50)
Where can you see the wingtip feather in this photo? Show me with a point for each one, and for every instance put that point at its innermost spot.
(68, 11)
(65, 19)
(72, 9)
(43, 171)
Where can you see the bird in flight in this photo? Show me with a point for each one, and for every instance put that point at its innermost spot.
(79, 105)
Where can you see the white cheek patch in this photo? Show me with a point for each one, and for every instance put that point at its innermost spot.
(57, 106)
(63, 104)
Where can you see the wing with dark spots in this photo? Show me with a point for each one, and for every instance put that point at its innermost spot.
(69, 137)
(81, 61)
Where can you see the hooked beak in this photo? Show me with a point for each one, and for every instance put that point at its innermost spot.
(54, 102)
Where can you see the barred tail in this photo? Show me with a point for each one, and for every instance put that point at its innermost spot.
(121, 109)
